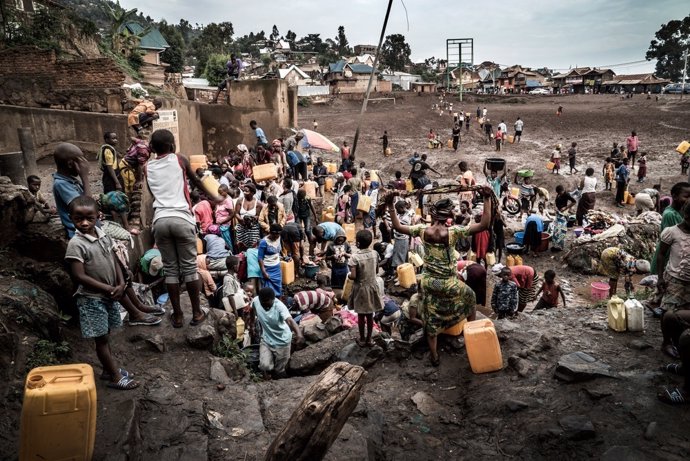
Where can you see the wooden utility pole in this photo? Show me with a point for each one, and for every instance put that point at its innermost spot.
(26, 143)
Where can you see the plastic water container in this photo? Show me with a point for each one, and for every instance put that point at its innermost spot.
(599, 291)
(327, 217)
(519, 237)
(518, 260)
(483, 349)
(199, 246)
(59, 413)
(409, 186)
(490, 259)
(240, 328)
(328, 184)
(510, 261)
(331, 168)
(310, 189)
(455, 330)
(683, 147)
(616, 314)
(350, 231)
(210, 185)
(287, 270)
(634, 315)
(515, 192)
(364, 203)
(347, 289)
(406, 275)
(197, 161)
(264, 172)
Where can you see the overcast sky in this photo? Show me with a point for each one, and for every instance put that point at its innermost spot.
(534, 33)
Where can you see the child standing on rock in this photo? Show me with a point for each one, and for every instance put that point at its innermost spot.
(609, 173)
(365, 298)
(101, 283)
(549, 290)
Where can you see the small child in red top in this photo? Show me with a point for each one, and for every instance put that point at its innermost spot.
(550, 290)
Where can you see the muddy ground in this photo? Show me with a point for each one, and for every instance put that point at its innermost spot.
(520, 412)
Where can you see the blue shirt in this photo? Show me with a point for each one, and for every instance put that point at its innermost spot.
(537, 219)
(215, 247)
(331, 230)
(495, 185)
(260, 135)
(66, 189)
(275, 330)
(622, 174)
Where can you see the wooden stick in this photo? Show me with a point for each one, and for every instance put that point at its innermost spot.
(319, 418)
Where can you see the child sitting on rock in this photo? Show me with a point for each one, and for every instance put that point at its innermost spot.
(549, 290)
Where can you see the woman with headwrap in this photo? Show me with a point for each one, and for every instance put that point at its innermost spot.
(269, 260)
(446, 300)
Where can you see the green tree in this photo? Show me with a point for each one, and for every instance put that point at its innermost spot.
(668, 46)
(275, 35)
(215, 70)
(215, 38)
(174, 55)
(341, 42)
(118, 17)
(291, 37)
(395, 52)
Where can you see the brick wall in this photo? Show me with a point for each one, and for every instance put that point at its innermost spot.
(36, 78)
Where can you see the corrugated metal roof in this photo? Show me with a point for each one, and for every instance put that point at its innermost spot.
(360, 68)
(152, 40)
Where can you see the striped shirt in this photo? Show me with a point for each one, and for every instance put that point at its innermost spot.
(315, 300)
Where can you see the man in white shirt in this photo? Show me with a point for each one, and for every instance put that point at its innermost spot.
(518, 129)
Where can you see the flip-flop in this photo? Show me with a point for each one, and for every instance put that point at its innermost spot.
(105, 376)
(672, 396)
(125, 383)
(674, 368)
(197, 322)
(175, 324)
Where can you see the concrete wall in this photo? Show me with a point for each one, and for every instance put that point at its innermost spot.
(360, 86)
(313, 90)
(203, 128)
(51, 127)
(269, 102)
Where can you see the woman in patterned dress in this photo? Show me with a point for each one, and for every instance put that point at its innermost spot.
(446, 300)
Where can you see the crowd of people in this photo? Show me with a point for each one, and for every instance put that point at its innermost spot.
(228, 235)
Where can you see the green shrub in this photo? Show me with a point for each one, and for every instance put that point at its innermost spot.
(48, 353)
(215, 70)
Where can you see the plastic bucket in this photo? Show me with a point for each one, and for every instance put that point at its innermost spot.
(545, 239)
(310, 270)
(519, 237)
(600, 291)
(495, 164)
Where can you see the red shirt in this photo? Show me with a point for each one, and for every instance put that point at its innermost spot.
(550, 293)
(345, 152)
(523, 276)
(203, 214)
(347, 175)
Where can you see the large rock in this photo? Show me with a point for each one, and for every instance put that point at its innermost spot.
(24, 303)
(202, 336)
(619, 453)
(639, 240)
(362, 356)
(218, 373)
(578, 366)
(577, 427)
(314, 332)
(318, 356)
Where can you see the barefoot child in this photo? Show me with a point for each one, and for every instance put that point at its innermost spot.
(608, 172)
(365, 298)
(550, 290)
(642, 167)
(101, 283)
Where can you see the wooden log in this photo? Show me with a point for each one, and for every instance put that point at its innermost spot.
(317, 421)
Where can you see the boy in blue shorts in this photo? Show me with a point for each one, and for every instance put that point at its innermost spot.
(101, 284)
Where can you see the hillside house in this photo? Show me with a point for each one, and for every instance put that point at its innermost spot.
(366, 59)
(516, 79)
(344, 77)
(634, 83)
(151, 42)
(294, 76)
(470, 78)
(582, 80)
(365, 49)
(402, 79)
